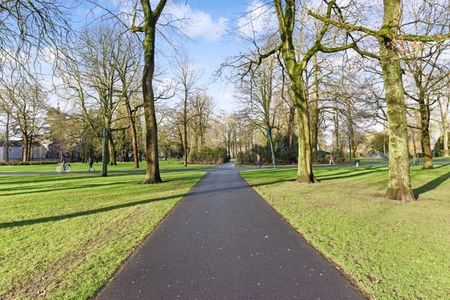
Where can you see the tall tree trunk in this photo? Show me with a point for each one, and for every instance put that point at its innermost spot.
(304, 169)
(134, 138)
(399, 186)
(425, 132)
(25, 148)
(30, 148)
(336, 129)
(445, 141)
(112, 151)
(7, 137)
(185, 140)
(105, 146)
(315, 106)
(272, 151)
(151, 131)
(290, 129)
(443, 110)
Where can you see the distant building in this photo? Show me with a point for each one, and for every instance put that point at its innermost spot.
(39, 152)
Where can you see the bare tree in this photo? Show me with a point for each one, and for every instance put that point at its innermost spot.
(399, 186)
(148, 27)
(187, 75)
(92, 76)
(258, 92)
(26, 106)
(201, 110)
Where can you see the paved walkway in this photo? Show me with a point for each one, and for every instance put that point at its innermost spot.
(224, 242)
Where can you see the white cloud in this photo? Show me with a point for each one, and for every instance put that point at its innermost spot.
(198, 24)
(258, 19)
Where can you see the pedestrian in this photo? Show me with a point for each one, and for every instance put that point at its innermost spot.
(332, 161)
(90, 163)
(258, 160)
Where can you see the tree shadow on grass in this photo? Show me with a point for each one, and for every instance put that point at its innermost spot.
(352, 173)
(429, 186)
(194, 193)
(82, 213)
(62, 186)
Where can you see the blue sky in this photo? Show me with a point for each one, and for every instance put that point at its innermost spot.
(208, 38)
(211, 41)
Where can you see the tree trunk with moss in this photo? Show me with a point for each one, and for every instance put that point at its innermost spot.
(112, 151)
(299, 100)
(151, 132)
(425, 131)
(399, 186)
(315, 106)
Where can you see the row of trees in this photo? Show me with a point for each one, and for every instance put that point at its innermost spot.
(290, 79)
(368, 86)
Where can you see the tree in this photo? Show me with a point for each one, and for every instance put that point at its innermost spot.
(422, 63)
(128, 66)
(258, 97)
(26, 106)
(399, 186)
(201, 109)
(444, 104)
(148, 27)
(295, 58)
(91, 74)
(187, 75)
(30, 28)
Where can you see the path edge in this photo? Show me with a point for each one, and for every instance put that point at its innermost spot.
(337, 266)
(146, 238)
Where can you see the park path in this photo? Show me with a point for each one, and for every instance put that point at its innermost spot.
(223, 241)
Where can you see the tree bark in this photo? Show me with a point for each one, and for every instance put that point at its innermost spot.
(290, 130)
(399, 186)
(185, 130)
(336, 129)
(112, 151)
(25, 148)
(151, 137)
(425, 132)
(7, 137)
(443, 110)
(315, 106)
(105, 145)
(134, 138)
(294, 69)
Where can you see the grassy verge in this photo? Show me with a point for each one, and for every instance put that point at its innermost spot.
(121, 166)
(62, 237)
(392, 250)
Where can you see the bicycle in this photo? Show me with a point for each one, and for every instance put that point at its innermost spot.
(63, 167)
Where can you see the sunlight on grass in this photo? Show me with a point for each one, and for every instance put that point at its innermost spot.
(62, 237)
(392, 250)
(121, 166)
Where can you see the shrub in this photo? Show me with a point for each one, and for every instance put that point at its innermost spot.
(320, 157)
(209, 156)
(338, 155)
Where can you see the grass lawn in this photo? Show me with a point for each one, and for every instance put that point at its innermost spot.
(121, 166)
(391, 250)
(63, 236)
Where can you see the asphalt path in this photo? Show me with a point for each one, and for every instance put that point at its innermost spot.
(223, 241)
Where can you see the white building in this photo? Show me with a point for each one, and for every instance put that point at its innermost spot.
(15, 151)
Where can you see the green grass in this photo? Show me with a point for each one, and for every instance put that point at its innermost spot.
(63, 236)
(121, 166)
(391, 250)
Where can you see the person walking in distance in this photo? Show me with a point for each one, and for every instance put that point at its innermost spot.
(258, 160)
(90, 163)
(332, 161)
